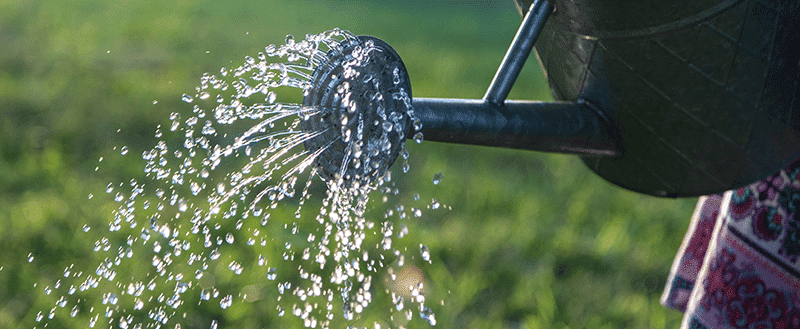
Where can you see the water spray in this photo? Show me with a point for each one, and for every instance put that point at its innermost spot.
(642, 115)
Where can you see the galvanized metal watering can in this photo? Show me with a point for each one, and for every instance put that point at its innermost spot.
(667, 98)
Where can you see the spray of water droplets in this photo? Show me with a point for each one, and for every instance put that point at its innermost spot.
(211, 187)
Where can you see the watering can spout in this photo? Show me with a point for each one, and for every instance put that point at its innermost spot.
(562, 127)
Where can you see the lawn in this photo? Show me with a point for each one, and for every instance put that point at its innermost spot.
(524, 239)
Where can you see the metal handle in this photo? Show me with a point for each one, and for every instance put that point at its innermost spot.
(519, 51)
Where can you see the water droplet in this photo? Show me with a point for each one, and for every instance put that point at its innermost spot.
(208, 129)
(62, 301)
(437, 178)
(396, 76)
(428, 315)
(195, 188)
(403, 231)
(387, 126)
(226, 302)
(235, 267)
(418, 137)
(426, 255)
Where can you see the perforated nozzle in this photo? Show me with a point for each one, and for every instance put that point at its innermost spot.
(363, 98)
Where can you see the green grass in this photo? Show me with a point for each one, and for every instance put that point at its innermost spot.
(532, 240)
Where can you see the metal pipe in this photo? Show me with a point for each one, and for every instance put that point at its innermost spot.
(563, 127)
(518, 52)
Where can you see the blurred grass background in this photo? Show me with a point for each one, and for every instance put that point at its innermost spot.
(532, 240)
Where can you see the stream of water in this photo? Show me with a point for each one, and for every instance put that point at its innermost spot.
(234, 171)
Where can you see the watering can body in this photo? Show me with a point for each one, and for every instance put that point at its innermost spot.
(703, 94)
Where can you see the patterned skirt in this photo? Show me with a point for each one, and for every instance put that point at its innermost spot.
(739, 264)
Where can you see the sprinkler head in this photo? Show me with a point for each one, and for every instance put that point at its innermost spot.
(361, 95)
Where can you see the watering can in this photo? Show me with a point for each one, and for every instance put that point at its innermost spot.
(666, 98)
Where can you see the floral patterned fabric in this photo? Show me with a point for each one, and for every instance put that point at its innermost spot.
(739, 265)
